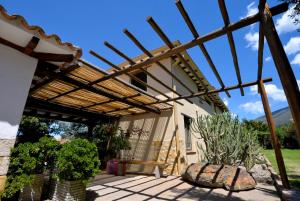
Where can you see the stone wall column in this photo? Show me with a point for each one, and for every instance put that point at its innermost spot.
(16, 73)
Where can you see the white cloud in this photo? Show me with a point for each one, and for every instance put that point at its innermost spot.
(296, 60)
(268, 59)
(226, 102)
(252, 39)
(251, 10)
(252, 107)
(293, 46)
(298, 82)
(273, 92)
(285, 23)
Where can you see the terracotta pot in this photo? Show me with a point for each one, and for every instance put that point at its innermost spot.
(33, 192)
(68, 191)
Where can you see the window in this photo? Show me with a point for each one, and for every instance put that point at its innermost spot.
(188, 136)
(143, 77)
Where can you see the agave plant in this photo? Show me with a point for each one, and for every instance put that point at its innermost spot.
(226, 140)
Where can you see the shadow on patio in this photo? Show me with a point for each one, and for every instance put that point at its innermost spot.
(141, 187)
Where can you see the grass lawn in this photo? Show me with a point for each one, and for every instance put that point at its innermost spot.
(291, 158)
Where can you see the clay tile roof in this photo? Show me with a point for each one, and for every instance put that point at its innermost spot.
(20, 22)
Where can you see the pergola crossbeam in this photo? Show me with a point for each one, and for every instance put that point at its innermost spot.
(261, 8)
(202, 47)
(198, 94)
(168, 42)
(226, 20)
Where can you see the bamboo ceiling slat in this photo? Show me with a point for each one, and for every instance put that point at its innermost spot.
(71, 101)
(122, 113)
(89, 96)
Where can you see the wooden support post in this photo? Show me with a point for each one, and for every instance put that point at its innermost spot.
(284, 69)
(275, 142)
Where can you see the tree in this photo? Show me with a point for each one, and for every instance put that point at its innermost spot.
(296, 10)
(31, 129)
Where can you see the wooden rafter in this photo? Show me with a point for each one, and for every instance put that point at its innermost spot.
(226, 20)
(202, 47)
(117, 68)
(261, 8)
(167, 41)
(148, 53)
(38, 55)
(31, 45)
(143, 70)
(110, 101)
(42, 64)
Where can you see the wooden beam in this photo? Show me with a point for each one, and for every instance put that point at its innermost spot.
(202, 47)
(121, 81)
(148, 53)
(275, 142)
(214, 91)
(128, 74)
(42, 105)
(110, 101)
(42, 64)
(226, 20)
(167, 41)
(215, 34)
(283, 66)
(31, 45)
(53, 57)
(143, 70)
(39, 55)
(261, 8)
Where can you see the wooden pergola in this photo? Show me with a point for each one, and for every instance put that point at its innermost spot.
(266, 30)
(83, 91)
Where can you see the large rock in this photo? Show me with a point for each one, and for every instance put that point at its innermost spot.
(219, 176)
(261, 173)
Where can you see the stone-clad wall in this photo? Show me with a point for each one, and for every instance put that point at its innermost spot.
(161, 151)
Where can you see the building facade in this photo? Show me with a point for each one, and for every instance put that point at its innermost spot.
(168, 137)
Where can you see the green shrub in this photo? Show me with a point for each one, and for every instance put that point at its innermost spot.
(77, 160)
(49, 148)
(23, 164)
(226, 140)
(28, 159)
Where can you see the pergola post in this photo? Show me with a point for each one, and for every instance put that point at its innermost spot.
(283, 66)
(275, 142)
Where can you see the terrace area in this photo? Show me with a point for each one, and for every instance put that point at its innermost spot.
(140, 187)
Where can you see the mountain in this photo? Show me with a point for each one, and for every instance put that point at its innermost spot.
(281, 116)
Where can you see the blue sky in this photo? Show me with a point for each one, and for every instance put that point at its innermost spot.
(89, 23)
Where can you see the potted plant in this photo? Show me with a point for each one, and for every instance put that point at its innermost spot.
(77, 162)
(25, 173)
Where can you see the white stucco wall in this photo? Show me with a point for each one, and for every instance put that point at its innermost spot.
(16, 73)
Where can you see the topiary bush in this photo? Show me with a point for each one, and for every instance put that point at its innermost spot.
(77, 160)
(226, 140)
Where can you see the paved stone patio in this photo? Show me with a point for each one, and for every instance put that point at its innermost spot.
(136, 187)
